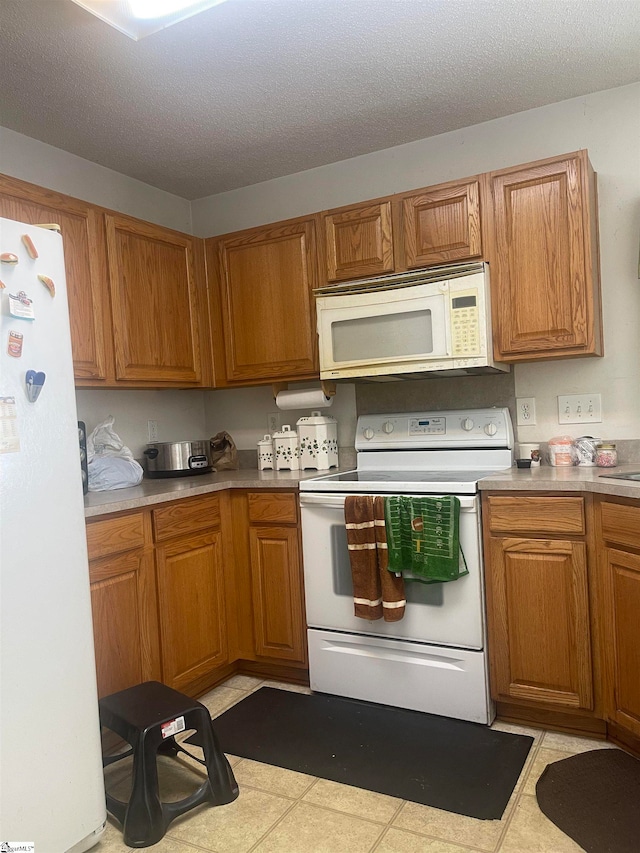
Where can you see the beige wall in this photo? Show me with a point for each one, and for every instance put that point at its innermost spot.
(607, 124)
(34, 161)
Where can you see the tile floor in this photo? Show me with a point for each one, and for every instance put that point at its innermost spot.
(280, 811)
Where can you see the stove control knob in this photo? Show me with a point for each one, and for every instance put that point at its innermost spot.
(387, 427)
(467, 424)
(368, 433)
(491, 429)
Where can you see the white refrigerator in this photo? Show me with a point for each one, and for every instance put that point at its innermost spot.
(51, 781)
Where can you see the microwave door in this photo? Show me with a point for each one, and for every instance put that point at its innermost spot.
(383, 329)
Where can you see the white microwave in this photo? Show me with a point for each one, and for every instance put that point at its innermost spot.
(437, 319)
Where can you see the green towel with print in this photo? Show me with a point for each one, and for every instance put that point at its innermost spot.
(423, 538)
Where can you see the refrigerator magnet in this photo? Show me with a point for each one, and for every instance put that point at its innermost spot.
(48, 283)
(14, 347)
(29, 246)
(2, 285)
(21, 306)
(9, 438)
(8, 258)
(34, 380)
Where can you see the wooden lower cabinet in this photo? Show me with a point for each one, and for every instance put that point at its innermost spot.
(541, 643)
(539, 604)
(192, 608)
(220, 592)
(277, 593)
(123, 601)
(277, 600)
(619, 551)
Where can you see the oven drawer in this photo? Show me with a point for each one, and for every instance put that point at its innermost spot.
(433, 679)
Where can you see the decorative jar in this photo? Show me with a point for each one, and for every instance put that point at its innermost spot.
(285, 449)
(606, 455)
(318, 439)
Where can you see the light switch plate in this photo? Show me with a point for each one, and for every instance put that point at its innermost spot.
(580, 408)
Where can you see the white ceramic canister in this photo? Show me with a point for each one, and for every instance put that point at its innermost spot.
(318, 441)
(285, 449)
(265, 453)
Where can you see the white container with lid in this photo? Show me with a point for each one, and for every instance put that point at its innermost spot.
(318, 437)
(265, 453)
(285, 449)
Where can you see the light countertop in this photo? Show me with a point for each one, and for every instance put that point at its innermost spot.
(545, 478)
(156, 491)
(570, 479)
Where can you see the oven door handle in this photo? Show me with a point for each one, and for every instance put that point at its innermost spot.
(334, 501)
(468, 503)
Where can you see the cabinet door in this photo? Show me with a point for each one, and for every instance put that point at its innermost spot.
(155, 302)
(441, 225)
(277, 593)
(545, 284)
(125, 620)
(622, 638)
(83, 239)
(359, 241)
(539, 637)
(192, 613)
(266, 280)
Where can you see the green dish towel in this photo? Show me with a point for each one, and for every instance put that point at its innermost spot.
(423, 538)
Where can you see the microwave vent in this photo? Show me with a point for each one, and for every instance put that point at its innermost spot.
(404, 279)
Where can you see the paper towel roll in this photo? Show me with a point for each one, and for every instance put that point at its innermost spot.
(309, 398)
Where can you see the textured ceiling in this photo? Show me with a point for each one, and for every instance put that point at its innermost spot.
(255, 89)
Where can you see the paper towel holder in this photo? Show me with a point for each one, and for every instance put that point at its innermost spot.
(328, 387)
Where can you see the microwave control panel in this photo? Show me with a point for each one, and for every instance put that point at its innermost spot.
(465, 323)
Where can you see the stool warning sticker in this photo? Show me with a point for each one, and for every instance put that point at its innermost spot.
(172, 727)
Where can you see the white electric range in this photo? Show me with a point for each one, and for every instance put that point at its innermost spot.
(435, 658)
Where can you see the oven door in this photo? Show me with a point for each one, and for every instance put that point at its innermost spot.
(448, 614)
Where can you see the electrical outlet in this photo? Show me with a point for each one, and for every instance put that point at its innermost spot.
(580, 408)
(526, 411)
(152, 428)
(273, 422)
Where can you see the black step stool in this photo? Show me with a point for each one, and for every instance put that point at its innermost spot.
(148, 716)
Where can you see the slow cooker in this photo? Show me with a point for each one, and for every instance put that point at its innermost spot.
(178, 458)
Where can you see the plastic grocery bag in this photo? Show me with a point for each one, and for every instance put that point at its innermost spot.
(110, 463)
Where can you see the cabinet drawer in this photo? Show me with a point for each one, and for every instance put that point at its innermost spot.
(621, 524)
(281, 508)
(537, 515)
(114, 535)
(187, 516)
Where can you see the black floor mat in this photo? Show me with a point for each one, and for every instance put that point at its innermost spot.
(594, 797)
(449, 764)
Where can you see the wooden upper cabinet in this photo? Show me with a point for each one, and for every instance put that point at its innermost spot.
(441, 225)
(545, 286)
(266, 277)
(155, 301)
(83, 240)
(359, 241)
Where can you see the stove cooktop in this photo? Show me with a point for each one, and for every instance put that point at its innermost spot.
(421, 482)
